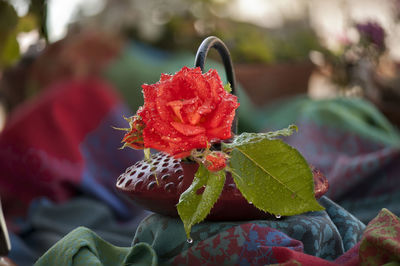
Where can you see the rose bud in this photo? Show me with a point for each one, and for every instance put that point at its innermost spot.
(134, 137)
(215, 161)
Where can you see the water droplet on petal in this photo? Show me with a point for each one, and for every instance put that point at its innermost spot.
(278, 216)
(189, 240)
(250, 202)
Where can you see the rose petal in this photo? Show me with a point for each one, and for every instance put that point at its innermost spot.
(179, 104)
(194, 118)
(176, 108)
(165, 77)
(219, 133)
(188, 130)
(171, 139)
(223, 112)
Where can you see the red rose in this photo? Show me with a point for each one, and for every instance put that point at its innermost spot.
(215, 161)
(185, 111)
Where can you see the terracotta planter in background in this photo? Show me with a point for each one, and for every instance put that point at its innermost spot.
(265, 83)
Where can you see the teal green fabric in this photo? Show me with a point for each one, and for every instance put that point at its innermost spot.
(351, 114)
(355, 115)
(84, 247)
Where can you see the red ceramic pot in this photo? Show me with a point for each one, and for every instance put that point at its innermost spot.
(175, 176)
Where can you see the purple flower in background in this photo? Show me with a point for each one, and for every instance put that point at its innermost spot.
(372, 32)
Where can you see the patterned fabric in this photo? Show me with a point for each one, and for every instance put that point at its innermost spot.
(381, 240)
(363, 175)
(349, 227)
(161, 240)
(239, 241)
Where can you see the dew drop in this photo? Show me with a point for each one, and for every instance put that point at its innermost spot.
(278, 216)
(250, 202)
(189, 240)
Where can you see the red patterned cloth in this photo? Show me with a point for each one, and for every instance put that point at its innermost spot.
(381, 240)
(62, 142)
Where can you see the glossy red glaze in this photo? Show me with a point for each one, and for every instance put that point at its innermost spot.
(174, 177)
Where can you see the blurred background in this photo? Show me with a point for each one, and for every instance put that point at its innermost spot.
(268, 40)
(70, 70)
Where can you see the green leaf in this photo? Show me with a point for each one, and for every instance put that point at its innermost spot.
(272, 175)
(251, 137)
(193, 207)
(286, 132)
(228, 87)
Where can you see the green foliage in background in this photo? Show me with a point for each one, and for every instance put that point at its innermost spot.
(182, 25)
(11, 25)
(9, 49)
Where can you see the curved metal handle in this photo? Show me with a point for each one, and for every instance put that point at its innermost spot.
(214, 42)
(205, 46)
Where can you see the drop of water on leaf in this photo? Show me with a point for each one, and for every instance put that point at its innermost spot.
(278, 216)
(189, 240)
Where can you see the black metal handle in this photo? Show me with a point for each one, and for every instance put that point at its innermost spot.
(205, 46)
